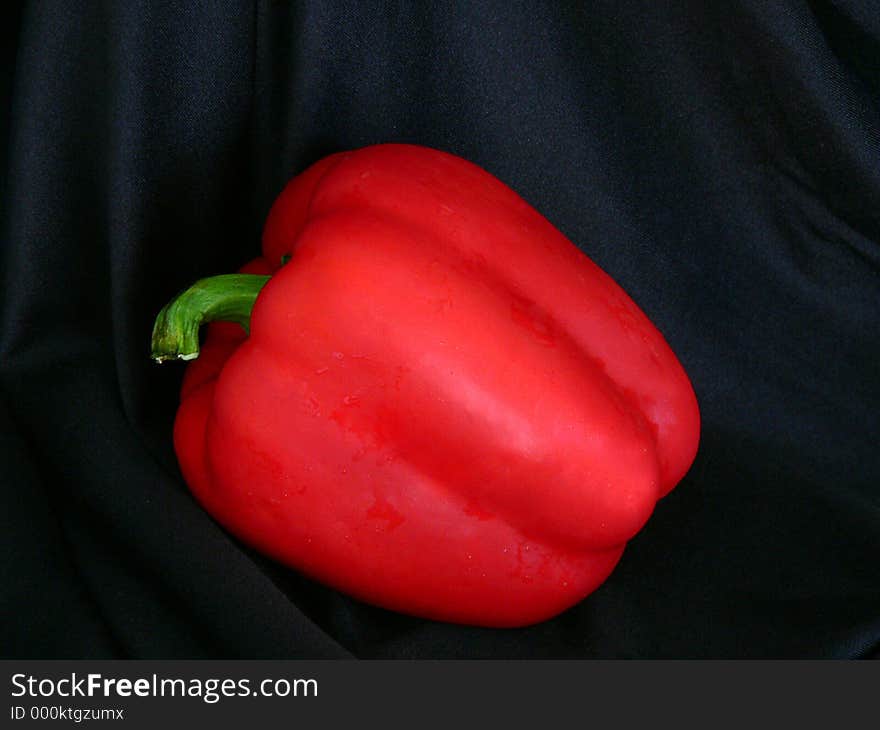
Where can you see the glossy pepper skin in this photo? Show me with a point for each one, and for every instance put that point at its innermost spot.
(443, 407)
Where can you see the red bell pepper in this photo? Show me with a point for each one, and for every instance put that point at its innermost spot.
(442, 407)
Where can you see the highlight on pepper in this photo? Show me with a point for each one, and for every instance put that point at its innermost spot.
(423, 395)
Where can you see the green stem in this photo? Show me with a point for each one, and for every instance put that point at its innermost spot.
(228, 297)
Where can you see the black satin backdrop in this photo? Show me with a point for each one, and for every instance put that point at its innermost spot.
(720, 160)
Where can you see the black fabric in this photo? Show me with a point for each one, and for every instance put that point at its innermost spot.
(720, 160)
